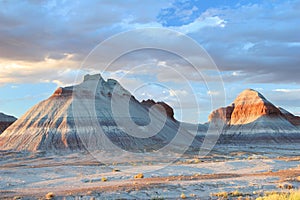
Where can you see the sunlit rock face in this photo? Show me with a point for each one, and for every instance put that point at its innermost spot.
(6, 121)
(222, 113)
(251, 105)
(252, 113)
(92, 115)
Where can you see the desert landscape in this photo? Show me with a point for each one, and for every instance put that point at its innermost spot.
(173, 99)
(44, 154)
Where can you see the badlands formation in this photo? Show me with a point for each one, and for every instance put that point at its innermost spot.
(6, 121)
(99, 115)
(93, 116)
(244, 164)
(251, 114)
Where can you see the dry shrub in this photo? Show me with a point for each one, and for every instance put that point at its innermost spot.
(103, 179)
(182, 196)
(221, 194)
(292, 195)
(49, 196)
(140, 175)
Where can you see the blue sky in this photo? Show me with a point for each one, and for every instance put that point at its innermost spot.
(255, 44)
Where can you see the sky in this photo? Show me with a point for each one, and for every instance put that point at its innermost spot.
(253, 44)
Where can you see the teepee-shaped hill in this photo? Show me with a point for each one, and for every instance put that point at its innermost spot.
(252, 114)
(95, 115)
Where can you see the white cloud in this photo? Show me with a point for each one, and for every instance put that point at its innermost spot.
(202, 22)
(213, 92)
(259, 40)
(238, 38)
(248, 45)
(236, 73)
(177, 93)
(287, 90)
(50, 70)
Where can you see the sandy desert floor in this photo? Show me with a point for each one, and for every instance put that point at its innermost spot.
(238, 171)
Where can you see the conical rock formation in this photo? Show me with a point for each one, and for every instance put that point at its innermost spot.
(95, 115)
(252, 114)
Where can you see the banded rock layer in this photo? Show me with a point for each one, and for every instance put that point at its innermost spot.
(252, 113)
(95, 115)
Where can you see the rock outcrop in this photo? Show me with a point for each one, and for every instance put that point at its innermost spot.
(222, 113)
(95, 115)
(251, 114)
(161, 106)
(6, 121)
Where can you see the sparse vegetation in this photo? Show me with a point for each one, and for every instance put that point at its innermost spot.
(221, 194)
(292, 195)
(140, 175)
(103, 179)
(182, 196)
(197, 174)
(225, 195)
(236, 194)
(49, 195)
(286, 186)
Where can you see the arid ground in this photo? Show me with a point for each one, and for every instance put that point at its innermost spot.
(234, 171)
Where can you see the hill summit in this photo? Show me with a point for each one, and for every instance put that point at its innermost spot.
(252, 113)
(96, 114)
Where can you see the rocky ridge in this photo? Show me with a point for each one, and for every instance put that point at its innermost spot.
(6, 121)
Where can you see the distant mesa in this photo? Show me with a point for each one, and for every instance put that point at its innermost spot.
(6, 121)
